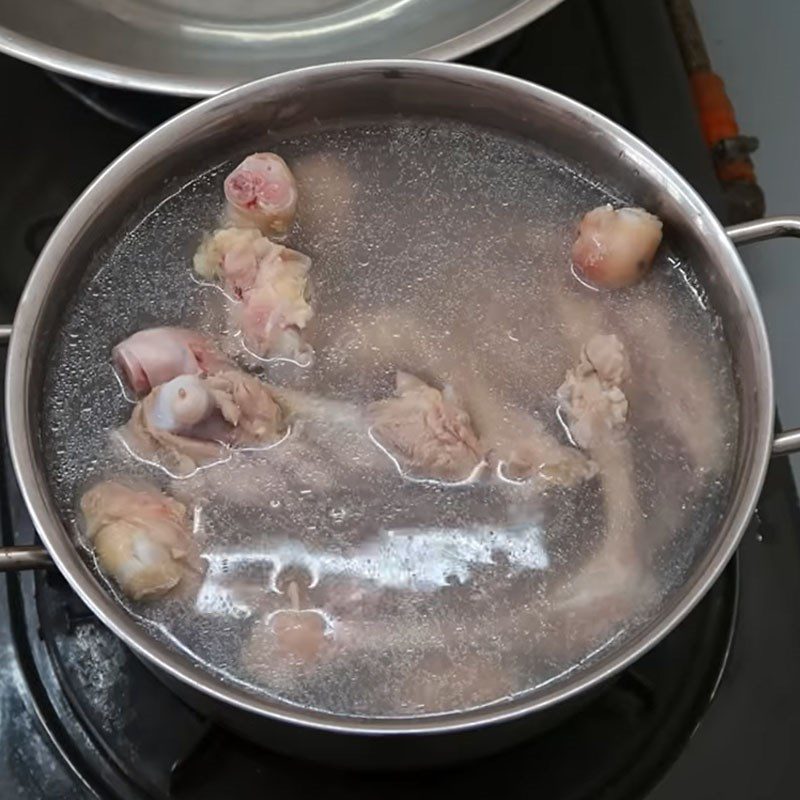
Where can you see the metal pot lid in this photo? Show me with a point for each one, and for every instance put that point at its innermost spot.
(196, 48)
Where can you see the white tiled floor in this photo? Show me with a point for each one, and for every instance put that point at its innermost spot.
(755, 48)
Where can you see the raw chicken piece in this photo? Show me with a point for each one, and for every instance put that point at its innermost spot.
(299, 634)
(273, 313)
(295, 635)
(191, 420)
(591, 397)
(615, 248)
(153, 356)
(298, 640)
(677, 388)
(513, 441)
(249, 406)
(270, 282)
(261, 192)
(674, 387)
(536, 454)
(232, 256)
(614, 583)
(180, 405)
(427, 430)
(328, 451)
(616, 569)
(140, 536)
(517, 445)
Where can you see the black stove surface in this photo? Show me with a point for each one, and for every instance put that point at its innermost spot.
(711, 712)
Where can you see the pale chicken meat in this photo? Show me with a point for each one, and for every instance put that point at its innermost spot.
(140, 536)
(299, 633)
(614, 581)
(286, 643)
(518, 447)
(294, 635)
(427, 431)
(261, 193)
(536, 455)
(678, 389)
(154, 356)
(328, 451)
(232, 256)
(615, 247)
(675, 389)
(192, 420)
(273, 314)
(591, 397)
(615, 574)
(269, 285)
(249, 406)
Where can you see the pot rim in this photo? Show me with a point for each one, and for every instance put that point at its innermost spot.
(120, 76)
(182, 667)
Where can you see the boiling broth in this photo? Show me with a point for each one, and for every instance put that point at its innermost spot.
(444, 250)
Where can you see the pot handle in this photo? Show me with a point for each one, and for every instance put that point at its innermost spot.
(760, 230)
(14, 559)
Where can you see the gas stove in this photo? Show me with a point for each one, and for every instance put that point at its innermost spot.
(712, 711)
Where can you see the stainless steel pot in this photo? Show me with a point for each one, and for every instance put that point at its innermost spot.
(196, 48)
(208, 133)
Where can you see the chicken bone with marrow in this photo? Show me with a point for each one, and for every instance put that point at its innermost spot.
(154, 356)
(191, 420)
(270, 286)
(140, 536)
(615, 247)
(262, 193)
(428, 431)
